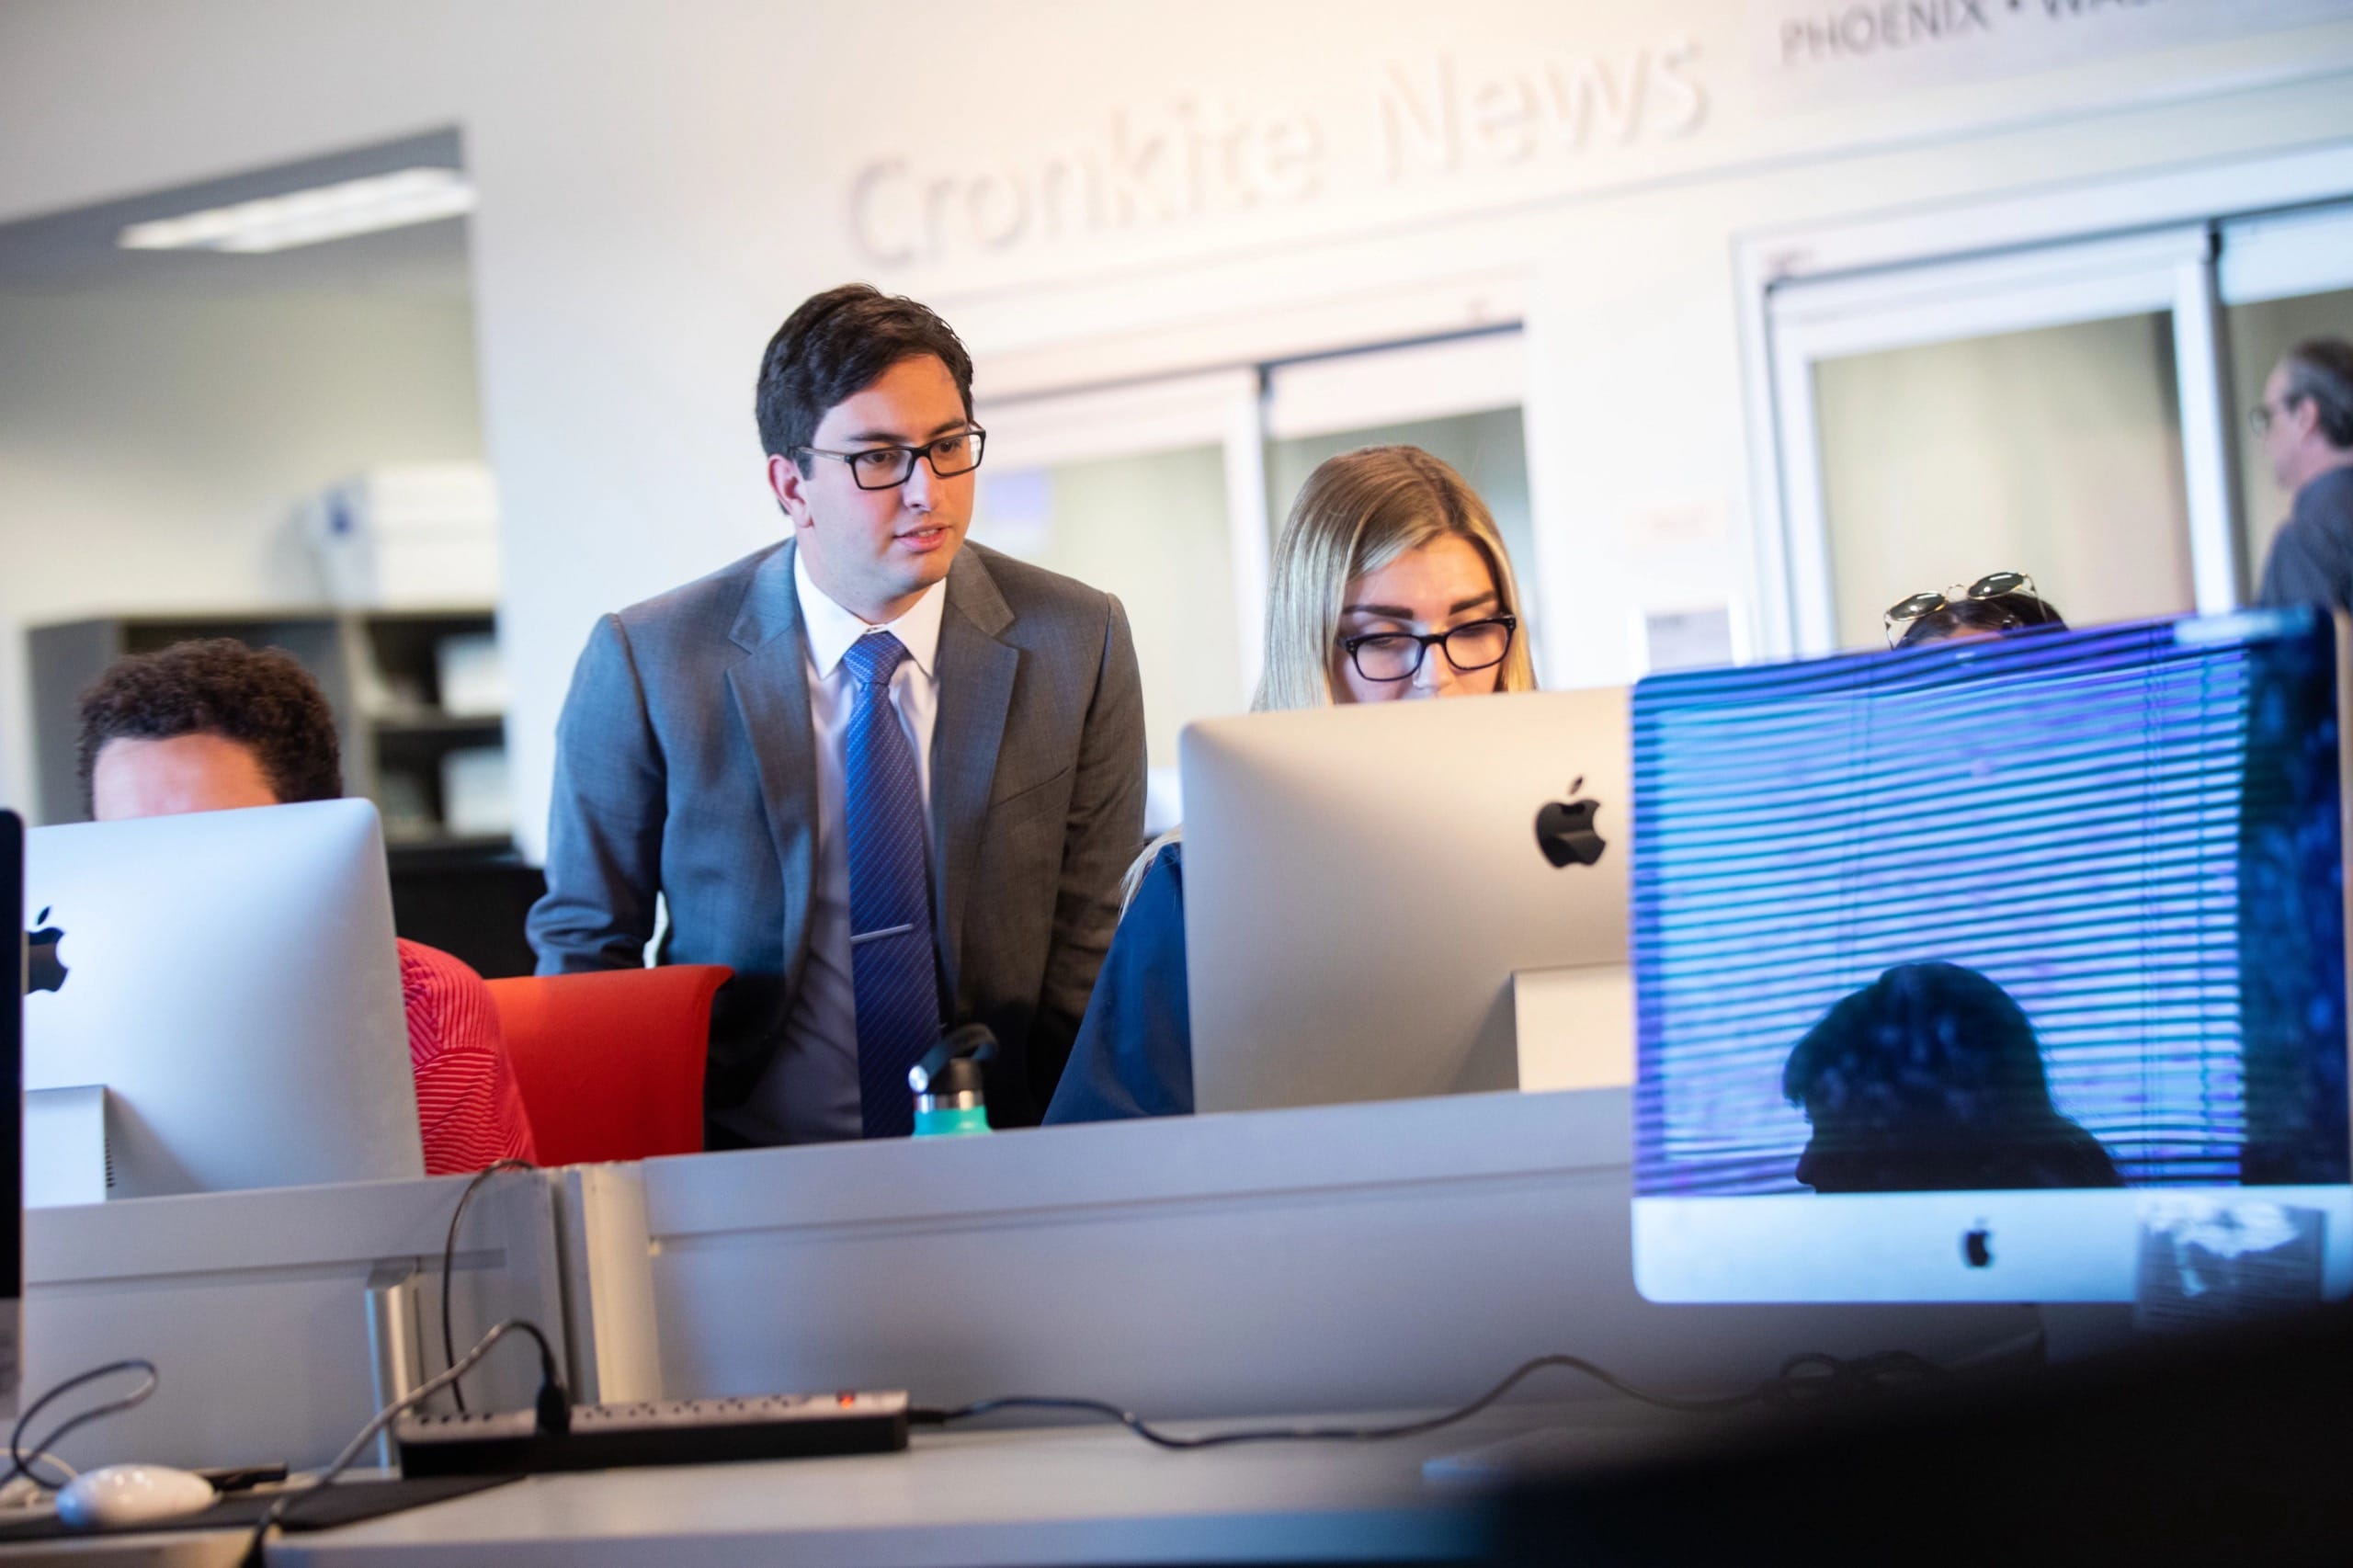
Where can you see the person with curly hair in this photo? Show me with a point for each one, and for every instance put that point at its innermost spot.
(1931, 1079)
(215, 725)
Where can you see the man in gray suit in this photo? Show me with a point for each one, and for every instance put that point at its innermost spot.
(890, 778)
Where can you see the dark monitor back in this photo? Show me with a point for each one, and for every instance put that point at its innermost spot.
(12, 1074)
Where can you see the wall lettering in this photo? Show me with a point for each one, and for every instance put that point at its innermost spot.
(1809, 53)
(1437, 119)
(1199, 158)
(1856, 32)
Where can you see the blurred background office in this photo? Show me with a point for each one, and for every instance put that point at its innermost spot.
(1749, 318)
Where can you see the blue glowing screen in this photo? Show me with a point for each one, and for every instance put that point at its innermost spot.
(2063, 910)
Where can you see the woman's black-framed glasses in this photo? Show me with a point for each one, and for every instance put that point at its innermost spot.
(887, 468)
(1993, 585)
(1397, 655)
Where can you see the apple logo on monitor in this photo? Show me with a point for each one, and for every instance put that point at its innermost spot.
(1564, 830)
(44, 971)
(1977, 1247)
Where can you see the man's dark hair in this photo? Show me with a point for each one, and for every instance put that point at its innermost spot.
(2321, 369)
(836, 345)
(259, 698)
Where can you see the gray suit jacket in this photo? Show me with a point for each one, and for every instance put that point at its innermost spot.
(683, 765)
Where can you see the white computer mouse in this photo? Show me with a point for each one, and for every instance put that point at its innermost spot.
(131, 1494)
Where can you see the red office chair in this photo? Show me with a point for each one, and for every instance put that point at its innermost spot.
(610, 1063)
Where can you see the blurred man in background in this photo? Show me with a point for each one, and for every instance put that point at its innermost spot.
(2305, 422)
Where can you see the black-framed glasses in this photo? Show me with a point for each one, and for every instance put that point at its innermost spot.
(1900, 615)
(2263, 415)
(1397, 655)
(887, 468)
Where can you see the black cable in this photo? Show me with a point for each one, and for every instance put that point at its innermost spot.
(285, 1503)
(450, 1261)
(19, 1464)
(1810, 1379)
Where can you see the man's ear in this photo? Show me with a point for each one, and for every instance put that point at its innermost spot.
(791, 487)
(2304, 412)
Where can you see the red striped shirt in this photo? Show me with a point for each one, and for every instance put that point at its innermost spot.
(467, 1105)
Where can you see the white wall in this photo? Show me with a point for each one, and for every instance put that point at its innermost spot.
(153, 448)
(660, 186)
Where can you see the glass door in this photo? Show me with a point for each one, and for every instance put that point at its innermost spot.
(1151, 492)
(2056, 411)
(1170, 493)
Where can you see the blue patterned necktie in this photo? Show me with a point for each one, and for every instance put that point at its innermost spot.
(892, 973)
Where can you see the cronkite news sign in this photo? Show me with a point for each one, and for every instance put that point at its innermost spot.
(1814, 53)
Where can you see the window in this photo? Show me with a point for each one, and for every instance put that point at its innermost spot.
(1130, 489)
(2055, 382)
(2023, 413)
(1169, 493)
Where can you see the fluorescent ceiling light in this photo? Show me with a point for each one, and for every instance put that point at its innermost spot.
(308, 217)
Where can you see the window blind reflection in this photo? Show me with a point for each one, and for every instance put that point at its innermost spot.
(2132, 832)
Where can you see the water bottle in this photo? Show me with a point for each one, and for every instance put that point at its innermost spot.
(946, 1084)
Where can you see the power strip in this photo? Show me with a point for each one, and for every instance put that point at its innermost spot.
(669, 1431)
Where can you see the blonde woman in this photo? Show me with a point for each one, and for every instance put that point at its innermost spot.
(1390, 583)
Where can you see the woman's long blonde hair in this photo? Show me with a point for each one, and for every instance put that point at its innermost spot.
(1358, 513)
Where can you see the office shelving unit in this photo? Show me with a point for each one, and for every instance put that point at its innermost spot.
(379, 668)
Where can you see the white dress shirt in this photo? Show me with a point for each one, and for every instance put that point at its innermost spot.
(809, 1093)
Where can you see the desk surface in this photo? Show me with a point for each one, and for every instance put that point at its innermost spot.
(957, 1500)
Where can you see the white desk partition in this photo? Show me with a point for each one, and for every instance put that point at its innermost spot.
(608, 1284)
(1372, 1256)
(255, 1308)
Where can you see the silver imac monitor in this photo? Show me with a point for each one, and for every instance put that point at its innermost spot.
(1997, 971)
(12, 1063)
(1362, 883)
(232, 980)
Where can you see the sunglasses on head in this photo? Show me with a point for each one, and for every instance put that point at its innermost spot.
(1901, 615)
